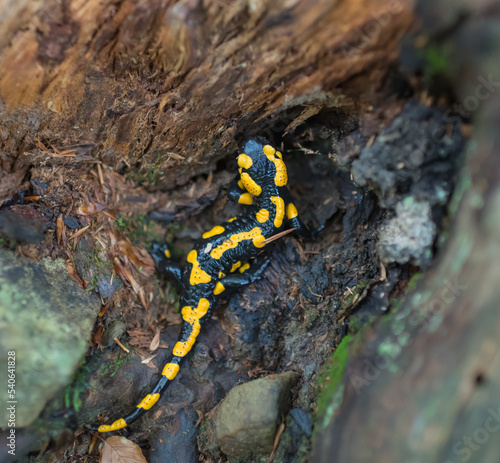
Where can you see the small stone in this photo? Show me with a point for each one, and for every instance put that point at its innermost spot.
(247, 419)
(303, 419)
(408, 237)
(114, 330)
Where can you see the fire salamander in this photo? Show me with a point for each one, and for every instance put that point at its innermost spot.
(223, 259)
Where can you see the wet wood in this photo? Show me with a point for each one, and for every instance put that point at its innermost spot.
(128, 79)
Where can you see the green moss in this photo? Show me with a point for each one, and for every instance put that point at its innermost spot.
(414, 281)
(330, 384)
(311, 316)
(358, 293)
(139, 229)
(7, 242)
(96, 266)
(436, 60)
(76, 387)
(114, 367)
(150, 175)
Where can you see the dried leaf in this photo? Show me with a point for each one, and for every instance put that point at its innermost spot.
(104, 308)
(140, 342)
(383, 272)
(92, 443)
(61, 230)
(139, 257)
(97, 337)
(79, 232)
(118, 449)
(277, 438)
(142, 297)
(31, 199)
(147, 360)
(125, 275)
(155, 343)
(73, 274)
(89, 209)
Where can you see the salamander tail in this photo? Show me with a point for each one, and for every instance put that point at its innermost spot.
(169, 372)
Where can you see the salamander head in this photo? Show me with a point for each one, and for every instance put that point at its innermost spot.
(260, 164)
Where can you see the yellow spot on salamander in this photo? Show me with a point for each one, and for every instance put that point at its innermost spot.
(291, 211)
(217, 230)
(197, 274)
(232, 219)
(245, 161)
(246, 198)
(281, 177)
(182, 348)
(221, 275)
(191, 316)
(280, 210)
(235, 266)
(244, 267)
(149, 401)
(262, 216)
(240, 184)
(167, 253)
(118, 424)
(170, 370)
(268, 150)
(255, 234)
(250, 184)
(219, 288)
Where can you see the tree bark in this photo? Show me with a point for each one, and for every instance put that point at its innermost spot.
(127, 79)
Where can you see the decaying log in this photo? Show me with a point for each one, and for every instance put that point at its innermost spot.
(131, 78)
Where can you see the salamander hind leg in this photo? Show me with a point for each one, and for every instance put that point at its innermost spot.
(165, 265)
(248, 275)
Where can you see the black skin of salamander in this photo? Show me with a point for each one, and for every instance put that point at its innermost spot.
(263, 173)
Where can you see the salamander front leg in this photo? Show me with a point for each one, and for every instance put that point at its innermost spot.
(238, 193)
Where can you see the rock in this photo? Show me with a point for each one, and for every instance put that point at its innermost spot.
(24, 223)
(46, 319)
(94, 266)
(115, 329)
(416, 156)
(409, 236)
(303, 420)
(246, 421)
